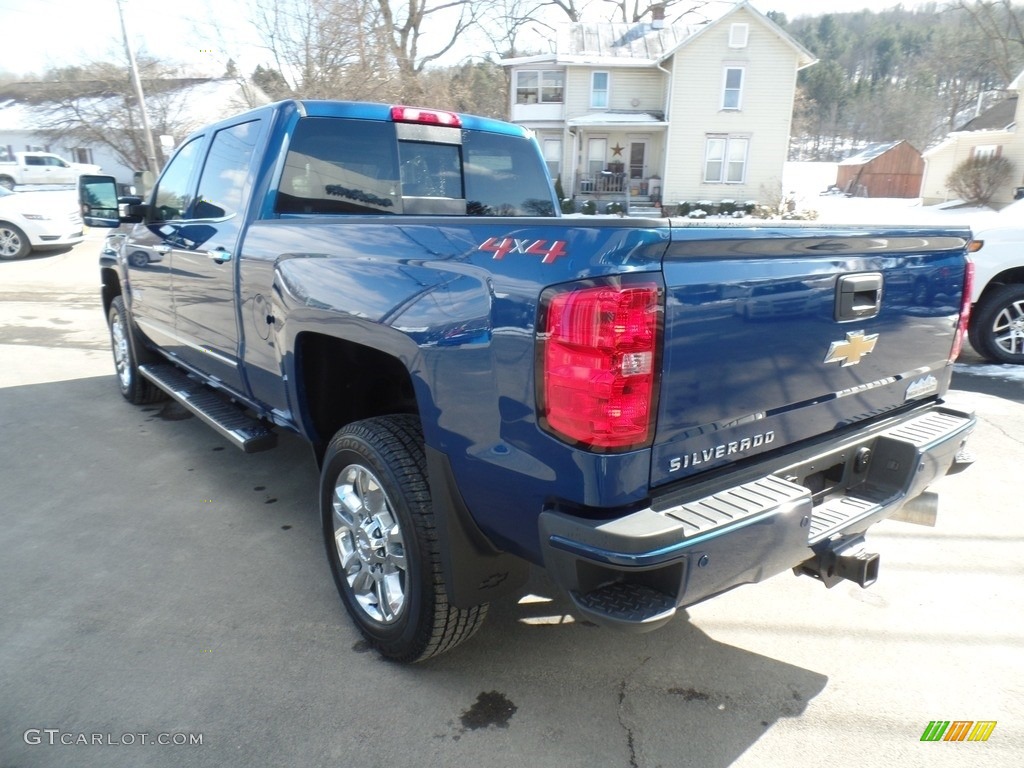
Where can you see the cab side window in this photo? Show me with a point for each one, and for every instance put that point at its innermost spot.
(224, 182)
(173, 195)
(337, 165)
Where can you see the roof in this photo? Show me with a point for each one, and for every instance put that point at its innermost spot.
(640, 45)
(998, 117)
(609, 41)
(42, 91)
(872, 151)
(616, 117)
(207, 99)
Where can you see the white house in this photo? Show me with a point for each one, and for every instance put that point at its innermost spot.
(992, 133)
(26, 109)
(663, 111)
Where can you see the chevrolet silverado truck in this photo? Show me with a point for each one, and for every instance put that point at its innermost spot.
(41, 168)
(488, 385)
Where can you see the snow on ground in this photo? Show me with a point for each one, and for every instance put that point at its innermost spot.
(1004, 372)
(805, 181)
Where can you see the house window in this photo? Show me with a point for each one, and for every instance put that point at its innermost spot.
(733, 89)
(540, 86)
(738, 34)
(725, 159)
(599, 90)
(597, 153)
(553, 156)
(81, 155)
(985, 151)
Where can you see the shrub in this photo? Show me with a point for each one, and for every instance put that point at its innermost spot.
(977, 179)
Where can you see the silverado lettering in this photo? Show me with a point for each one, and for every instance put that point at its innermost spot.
(719, 451)
(473, 416)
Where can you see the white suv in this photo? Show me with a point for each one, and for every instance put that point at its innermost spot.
(997, 320)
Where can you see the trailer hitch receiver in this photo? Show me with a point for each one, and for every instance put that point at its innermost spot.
(847, 560)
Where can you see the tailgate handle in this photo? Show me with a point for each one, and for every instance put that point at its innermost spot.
(858, 296)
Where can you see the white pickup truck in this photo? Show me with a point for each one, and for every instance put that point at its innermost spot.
(41, 168)
(997, 321)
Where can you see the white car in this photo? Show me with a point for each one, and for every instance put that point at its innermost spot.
(997, 320)
(37, 220)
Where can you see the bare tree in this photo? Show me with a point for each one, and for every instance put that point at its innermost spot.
(95, 105)
(633, 11)
(320, 47)
(504, 21)
(1001, 26)
(403, 27)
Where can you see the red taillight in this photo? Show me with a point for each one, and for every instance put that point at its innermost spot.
(425, 116)
(965, 312)
(597, 364)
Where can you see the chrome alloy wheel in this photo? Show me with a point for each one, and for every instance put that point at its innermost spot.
(1008, 328)
(10, 243)
(122, 356)
(371, 548)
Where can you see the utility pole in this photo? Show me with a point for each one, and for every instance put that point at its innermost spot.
(150, 149)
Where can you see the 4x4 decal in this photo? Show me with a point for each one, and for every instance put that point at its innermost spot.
(500, 246)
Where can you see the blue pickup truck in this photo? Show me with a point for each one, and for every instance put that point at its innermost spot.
(653, 411)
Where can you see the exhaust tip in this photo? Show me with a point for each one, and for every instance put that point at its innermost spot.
(920, 510)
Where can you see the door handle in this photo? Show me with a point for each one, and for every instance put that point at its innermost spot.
(219, 255)
(858, 297)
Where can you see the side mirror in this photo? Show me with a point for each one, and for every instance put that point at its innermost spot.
(97, 196)
(131, 209)
(101, 207)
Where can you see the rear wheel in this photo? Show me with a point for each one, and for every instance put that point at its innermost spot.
(997, 325)
(135, 389)
(7, 182)
(382, 545)
(13, 242)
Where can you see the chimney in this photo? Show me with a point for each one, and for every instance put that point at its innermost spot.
(658, 16)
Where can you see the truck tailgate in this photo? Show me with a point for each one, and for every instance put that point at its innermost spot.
(773, 336)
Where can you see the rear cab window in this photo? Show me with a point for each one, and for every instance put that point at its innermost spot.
(351, 166)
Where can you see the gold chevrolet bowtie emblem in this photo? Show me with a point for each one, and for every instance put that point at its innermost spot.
(850, 352)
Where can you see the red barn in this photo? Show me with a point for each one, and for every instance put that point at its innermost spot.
(890, 169)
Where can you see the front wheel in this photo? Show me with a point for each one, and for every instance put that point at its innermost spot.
(382, 545)
(134, 388)
(14, 243)
(997, 325)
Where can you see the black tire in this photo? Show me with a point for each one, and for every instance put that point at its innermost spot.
(382, 545)
(997, 325)
(124, 345)
(13, 242)
(7, 182)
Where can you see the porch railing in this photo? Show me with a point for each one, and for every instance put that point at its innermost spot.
(604, 182)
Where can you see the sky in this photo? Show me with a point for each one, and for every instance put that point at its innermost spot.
(66, 32)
